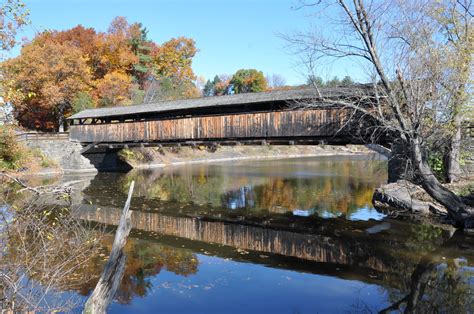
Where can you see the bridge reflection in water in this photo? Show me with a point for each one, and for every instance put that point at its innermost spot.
(181, 216)
(261, 237)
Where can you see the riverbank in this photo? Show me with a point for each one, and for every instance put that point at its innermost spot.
(404, 200)
(158, 157)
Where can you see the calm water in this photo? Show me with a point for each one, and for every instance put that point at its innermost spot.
(282, 236)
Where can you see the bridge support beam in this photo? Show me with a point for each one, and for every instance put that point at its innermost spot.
(106, 159)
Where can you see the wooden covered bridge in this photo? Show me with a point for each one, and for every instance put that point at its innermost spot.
(279, 117)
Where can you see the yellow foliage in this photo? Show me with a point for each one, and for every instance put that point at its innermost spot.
(114, 89)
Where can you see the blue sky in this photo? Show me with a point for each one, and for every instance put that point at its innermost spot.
(230, 34)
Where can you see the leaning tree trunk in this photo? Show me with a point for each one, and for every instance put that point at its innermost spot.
(112, 273)
(462, 215)
(453, 168)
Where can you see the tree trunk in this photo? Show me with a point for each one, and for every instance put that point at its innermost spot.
(453, 168)
(462, 215)
(61, 125)
(111, 276)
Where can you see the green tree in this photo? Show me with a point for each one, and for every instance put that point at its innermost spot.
(334, 82)
(315, 80)
(220, 85)
(142, 48)
(208, 89)
(82, 101)
(248, 81)
(347, 81)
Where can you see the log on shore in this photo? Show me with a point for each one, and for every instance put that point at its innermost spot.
(405, 200)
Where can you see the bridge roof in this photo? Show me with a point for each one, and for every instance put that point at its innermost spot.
(216, 101)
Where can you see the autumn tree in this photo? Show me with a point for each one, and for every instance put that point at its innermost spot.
(114, 89)
(61, 72)
(114, 49)
(42, 82)
(173, 71)
(173, 59)
(80, 37)
(13, 16)
(223, 86)
(248, 81)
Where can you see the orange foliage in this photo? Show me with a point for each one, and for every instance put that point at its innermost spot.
(114, 48)
(43, 80)
(174, 59)
(114, 89)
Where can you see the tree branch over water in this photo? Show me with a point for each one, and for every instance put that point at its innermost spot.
(420, 63)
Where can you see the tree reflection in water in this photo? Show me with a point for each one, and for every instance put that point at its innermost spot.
(145, 259)
(238, 210)
(324, 187)
(439, 283)
(228, 213)
(389, 258)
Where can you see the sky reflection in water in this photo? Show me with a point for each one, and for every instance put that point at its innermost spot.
(282, 236)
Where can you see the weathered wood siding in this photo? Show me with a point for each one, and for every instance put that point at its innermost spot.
(278, 124)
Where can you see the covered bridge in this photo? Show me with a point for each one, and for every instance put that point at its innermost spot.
(284, 115)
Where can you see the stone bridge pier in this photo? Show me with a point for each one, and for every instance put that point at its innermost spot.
(65, 153)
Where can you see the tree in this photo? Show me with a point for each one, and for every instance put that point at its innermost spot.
(82, 101)
(208, 89)
(83, 38)
(220, 85)
(456, 22)
(13, 16)
(166, 88)
(347, 81)
(114, 89)
(173, 76)
(64, 71)
(248, 81)
(409, 94)
(142, 48)
(174, 59)
(42, 82)
(334, 82)
(114, 49)
(275, 81)
(316, 81)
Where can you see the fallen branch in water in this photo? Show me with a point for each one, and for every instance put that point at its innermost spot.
(46, 189)
(112, 274)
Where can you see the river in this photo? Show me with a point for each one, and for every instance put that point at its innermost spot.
(278, 236)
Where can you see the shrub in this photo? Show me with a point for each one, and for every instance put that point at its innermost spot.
(12, 153)
(436, 163)
(44, 161)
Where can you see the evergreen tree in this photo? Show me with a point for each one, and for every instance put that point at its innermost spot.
(347, 81)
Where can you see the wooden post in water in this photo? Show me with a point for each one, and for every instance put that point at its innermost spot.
(112, 274)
